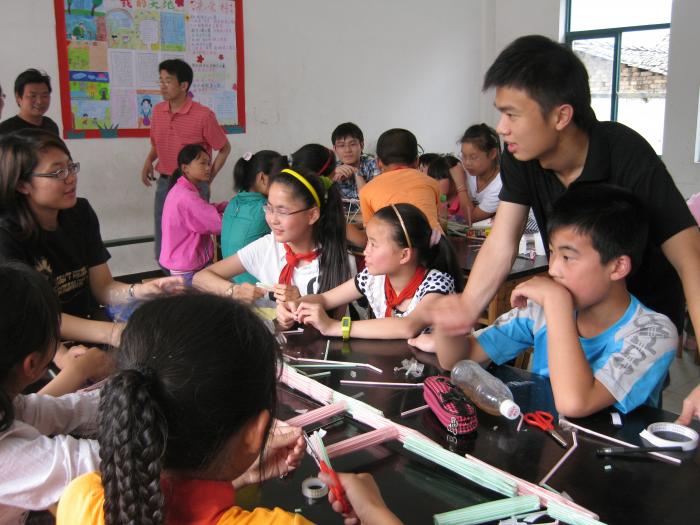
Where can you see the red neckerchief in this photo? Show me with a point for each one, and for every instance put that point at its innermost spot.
(409, 291)
(196, 501)
(292, 261)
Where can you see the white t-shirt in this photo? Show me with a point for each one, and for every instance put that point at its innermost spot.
(265, 258)
(36, 468)
(488, 197)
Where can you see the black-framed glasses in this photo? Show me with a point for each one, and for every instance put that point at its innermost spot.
(269, 210)
(62, 173)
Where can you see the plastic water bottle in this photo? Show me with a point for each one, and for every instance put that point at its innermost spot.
(486, 391)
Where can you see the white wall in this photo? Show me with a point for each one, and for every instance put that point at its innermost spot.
(310, 64)
(682, 97)
(506, 20)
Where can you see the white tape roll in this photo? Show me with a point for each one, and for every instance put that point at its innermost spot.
(675, 435)
(314, 488)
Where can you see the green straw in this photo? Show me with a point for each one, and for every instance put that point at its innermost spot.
(460, 465)
(491, 511)
(569, 515)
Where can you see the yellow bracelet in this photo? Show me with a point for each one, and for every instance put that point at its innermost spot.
(229, 290)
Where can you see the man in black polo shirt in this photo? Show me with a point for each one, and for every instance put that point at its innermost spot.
(33, 96)
(553, 141)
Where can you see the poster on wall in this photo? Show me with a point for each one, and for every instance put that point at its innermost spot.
(108, 56)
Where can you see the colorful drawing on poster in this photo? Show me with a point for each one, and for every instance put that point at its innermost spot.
(139, 31)
(87, 56)
(91, 114)
(89, 7)
(89, 85)
(109, 65)
(146, 99)
(172, 31)
(81, 27)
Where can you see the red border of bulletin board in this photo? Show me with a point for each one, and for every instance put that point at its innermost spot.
(64, 81)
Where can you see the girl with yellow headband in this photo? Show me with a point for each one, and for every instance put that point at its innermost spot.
(408, 267)
(305, 252)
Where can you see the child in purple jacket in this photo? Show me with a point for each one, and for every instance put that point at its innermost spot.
(188, 220)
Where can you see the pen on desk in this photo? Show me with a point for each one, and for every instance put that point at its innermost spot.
(625, 451)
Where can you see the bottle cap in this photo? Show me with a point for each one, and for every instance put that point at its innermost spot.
(509, 409)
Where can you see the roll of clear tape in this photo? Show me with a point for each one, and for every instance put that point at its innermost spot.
(670, 435)
(314, 488)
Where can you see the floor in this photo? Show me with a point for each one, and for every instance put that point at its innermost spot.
(685, 375)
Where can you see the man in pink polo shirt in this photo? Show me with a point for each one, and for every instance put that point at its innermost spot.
(175, 123)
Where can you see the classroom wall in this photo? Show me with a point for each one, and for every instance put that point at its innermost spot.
(311, 64)
(682, 97)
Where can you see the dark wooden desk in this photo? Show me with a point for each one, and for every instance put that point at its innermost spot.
(522, 270)
(635, 491)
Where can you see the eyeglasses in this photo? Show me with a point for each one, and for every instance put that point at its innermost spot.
(269, 210)
(62, 173)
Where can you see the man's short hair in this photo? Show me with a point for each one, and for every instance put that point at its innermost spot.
(31, 76)
(614, 218)
(549, 72)
(347, 129)
(181, 69)
(397, 146)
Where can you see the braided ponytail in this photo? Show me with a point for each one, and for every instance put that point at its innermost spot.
(132, 439)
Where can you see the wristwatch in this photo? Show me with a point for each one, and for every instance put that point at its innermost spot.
(345, 327)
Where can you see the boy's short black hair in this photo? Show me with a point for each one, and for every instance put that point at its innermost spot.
(397, 146)
(181, 69)
(347, 129)
(31, 76)
(548, 72)
(614, 218)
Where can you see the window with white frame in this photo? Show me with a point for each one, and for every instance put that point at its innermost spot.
(624, 45)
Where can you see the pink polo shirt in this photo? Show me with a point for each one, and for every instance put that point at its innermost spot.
(187, 224)
(193, 123)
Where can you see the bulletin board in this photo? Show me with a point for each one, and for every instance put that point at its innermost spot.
(108, 56)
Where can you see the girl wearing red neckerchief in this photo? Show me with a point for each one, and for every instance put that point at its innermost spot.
(408, 266)
(305, 253)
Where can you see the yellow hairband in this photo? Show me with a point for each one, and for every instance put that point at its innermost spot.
(403, 226)
(306, 183)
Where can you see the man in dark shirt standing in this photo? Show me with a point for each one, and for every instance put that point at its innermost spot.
(33, 96)
(553, 141)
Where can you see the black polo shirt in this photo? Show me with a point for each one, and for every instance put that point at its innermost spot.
(16, 123)
(620, 156)
(64, 255)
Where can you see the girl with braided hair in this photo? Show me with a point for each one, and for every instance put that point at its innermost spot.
(37, 455)
(185, 416)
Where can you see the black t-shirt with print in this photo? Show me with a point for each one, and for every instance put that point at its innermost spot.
(64, 256)
(619, 156)
(16, 123)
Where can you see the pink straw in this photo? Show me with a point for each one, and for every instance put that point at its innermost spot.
(318, 414)
(368, 439)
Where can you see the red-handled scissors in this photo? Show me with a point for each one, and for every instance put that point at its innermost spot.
(336, 488)
(544, 421)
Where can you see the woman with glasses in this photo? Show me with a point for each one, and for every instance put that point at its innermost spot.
(306, 253)
(45, 225)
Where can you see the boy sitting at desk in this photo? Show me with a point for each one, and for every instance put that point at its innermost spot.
(399, 182)
(598, 344)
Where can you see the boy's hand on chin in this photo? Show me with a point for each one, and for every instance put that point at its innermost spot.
(542, 290)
